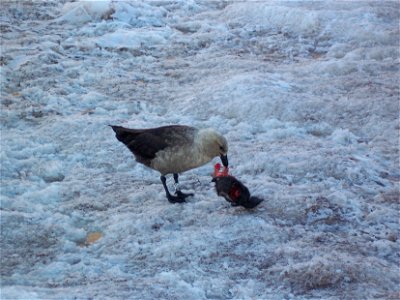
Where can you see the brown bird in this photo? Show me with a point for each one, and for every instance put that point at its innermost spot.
(173, 149)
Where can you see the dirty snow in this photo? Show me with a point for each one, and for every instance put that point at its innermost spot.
(307, 94)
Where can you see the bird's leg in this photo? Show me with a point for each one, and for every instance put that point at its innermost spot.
(176, 185)
(177, 189)
(173, 199)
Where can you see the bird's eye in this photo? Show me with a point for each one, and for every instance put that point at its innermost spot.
(221, 148)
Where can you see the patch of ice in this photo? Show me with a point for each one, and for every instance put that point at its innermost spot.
(139, 14)
(343, 137)
(85, 11)
(133, 39)
(18, 292)
(52, 171)
(273, 17)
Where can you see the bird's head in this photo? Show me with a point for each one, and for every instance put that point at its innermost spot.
(214, 144)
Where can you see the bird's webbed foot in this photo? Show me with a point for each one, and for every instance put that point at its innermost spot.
(179, 196)
(175, 199)
(183, 195)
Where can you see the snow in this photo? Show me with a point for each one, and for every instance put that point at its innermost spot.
(307, 94)
(125, 39)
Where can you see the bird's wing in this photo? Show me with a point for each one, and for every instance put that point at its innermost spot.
(146, 145)
(176, 135)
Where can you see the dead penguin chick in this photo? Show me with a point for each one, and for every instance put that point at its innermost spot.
(173, 149)
(233, 190)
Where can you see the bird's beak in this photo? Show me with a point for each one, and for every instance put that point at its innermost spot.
(224, 159)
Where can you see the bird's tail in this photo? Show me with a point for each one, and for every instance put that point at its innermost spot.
(125, 135)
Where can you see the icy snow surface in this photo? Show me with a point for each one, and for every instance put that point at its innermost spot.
(307, 94)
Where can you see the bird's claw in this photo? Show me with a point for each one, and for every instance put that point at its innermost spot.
(182, 195)
(179, 197)
(175, 199)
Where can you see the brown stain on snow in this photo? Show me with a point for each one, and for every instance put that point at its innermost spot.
(91, 238)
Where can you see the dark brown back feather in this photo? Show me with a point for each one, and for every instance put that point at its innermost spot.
(145, 143)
